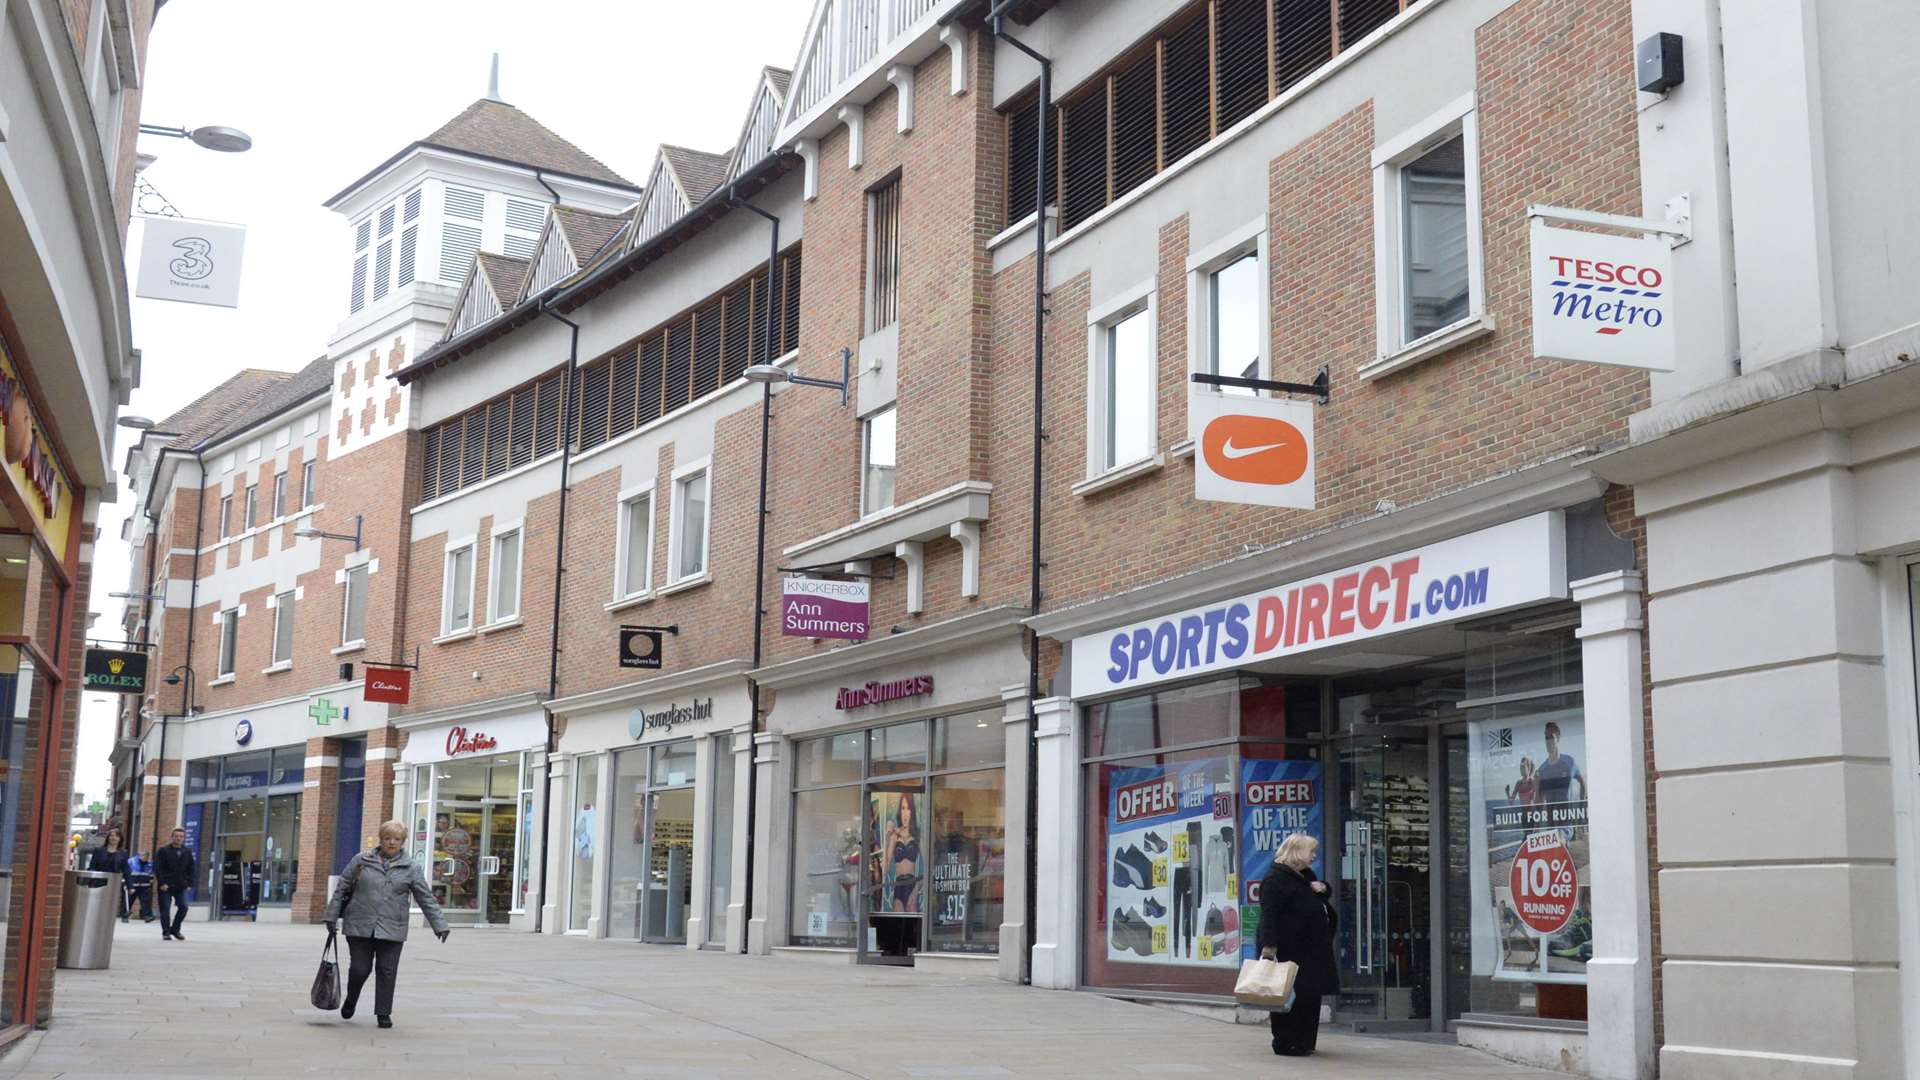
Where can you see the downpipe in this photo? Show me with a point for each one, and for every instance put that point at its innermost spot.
(559, 577)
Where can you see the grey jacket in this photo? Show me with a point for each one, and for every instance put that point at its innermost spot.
(375, 896)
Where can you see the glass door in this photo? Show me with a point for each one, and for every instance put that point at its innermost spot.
(896, 873)
(669, 895)
(1385, 871)
(242, 825)
(495, 869)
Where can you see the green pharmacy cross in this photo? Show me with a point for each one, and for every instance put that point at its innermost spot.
(322, 711)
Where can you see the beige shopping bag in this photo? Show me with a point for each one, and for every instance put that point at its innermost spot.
(1266, 984)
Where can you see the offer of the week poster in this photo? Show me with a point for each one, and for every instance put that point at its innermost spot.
(1277, 799)
(1170, 865)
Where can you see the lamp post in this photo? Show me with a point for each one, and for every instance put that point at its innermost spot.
(225, 140)
(352, 538)
(160, 775)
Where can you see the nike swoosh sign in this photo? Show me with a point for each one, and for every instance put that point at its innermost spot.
(1232, 452)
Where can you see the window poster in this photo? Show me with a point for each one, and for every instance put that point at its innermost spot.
(896, 872)
(1277, 799)
(1532, 879)
(1170, 860)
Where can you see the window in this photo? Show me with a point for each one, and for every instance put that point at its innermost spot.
(1122, 410)
(226, 516)
(229, 639)
(279, 496)
(636, 545)
(503, 577)
(353, 615)
(362, 237)
(283, 628)
(1427, 236)
(878, 455)
(1235, 319)
(690, 525)
(883, 256)
(307, 481)
(456, 604)
(253, 505)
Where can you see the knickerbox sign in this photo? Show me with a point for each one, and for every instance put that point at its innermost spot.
(1252, 450)
(666, 717)
(812, 607)
(194, 262)
(879, 693)
(1520, 562)
(1602, 299)
(116, 672)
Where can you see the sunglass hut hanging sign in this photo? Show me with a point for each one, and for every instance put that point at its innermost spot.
(1520, 562)
(1602, 299)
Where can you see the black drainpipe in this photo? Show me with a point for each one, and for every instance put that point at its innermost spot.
(146, 636)
(186, 692)
(759, 558)
(997, 19)
(559, 575)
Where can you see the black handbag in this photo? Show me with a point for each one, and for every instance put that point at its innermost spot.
(326, 982)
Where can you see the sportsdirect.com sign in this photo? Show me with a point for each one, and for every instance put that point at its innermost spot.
(1520, 562)
(1602, 299)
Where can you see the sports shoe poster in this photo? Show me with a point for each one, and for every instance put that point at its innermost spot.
(1277, 799)
(1532, 875)
(1170, 861)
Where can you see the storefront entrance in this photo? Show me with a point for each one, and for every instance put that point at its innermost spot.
(467, 814)
(651, 886)
(1385, 877)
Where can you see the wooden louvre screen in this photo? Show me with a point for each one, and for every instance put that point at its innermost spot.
(1208, 68)
(1023, 160)
(883, 267)
(709, 341)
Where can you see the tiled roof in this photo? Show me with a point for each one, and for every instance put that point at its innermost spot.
(586, 231)
(496, 129)
(213, 411)
(699, 172)
(505, 273)
(314, 380)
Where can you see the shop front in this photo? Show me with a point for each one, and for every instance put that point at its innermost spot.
(241, 814)
(1427, 716)
(472, 786)
(655, 800)
(892, 801)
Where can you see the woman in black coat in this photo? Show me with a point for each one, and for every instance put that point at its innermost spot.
(1297, 921)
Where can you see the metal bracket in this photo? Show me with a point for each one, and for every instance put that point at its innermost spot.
(131, 644)
(674, 629)
(1320, 387)
(836, 569)
(846, 377)
(1677, 228)
(415, 666)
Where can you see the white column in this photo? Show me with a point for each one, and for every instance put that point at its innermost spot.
(1620, 975)
(1013, 924)
(553, 905)
(1056, 949)
(741, 762)
(703, 770)
(772, 862)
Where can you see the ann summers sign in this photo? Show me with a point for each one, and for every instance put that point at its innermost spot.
(1602, 299)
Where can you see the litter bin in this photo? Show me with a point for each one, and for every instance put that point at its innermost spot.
(87, 910)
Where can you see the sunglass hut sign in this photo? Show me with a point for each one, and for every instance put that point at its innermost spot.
(1520, 562)
(1602, 299)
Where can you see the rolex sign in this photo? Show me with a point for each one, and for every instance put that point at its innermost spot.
(116, 672)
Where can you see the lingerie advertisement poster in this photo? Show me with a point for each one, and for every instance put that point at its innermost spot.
(1277, 799)
(896, 872)
(1170, 863)
(1532, 877)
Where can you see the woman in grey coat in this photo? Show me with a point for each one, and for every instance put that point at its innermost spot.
(372, 900)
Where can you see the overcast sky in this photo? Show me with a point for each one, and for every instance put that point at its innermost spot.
(330, 91)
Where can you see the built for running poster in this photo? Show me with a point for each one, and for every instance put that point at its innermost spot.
(1170, 866)
(1277, 799)
(1531, 871)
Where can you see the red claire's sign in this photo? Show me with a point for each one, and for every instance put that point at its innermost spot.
(391, 685)
(460, 742)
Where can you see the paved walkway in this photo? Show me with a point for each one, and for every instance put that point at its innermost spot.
(231, 1001)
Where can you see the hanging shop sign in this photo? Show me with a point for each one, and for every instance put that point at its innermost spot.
(1532, 889)
(1252, 450)
(879, 693)
(391, 685)
(31, 463)
(116, 672)
(1519, 562)
(816, 608)
(667, 717)
(641, 647)
(1602, 299)
(193, 262)
(461, 741)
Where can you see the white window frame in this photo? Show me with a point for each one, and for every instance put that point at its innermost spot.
(228, 654)
(1136, 299)
(226, 516)
(622, 588)
(250, 513)
(283, 605)
(866, 450)
(279, 506)
(1393, 350)
(494, 578)
(365, 570)
(679, 489)
(1249, 239)
(309, 482)
(447, 585)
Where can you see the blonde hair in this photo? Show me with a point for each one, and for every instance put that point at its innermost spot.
(394, 828)
(1297, 851)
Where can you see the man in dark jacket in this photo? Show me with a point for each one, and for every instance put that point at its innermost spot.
(173, 876)
(1297, 921)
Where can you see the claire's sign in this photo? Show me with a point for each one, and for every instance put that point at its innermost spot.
(1602, 299)
(391, 685)
(1520, 562)
(812, 607)
(460, 741)
(879, 693)
(116, 672)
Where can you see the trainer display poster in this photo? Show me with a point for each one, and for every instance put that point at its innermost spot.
(1169, 860)
(1532, 871)
(1277, 799)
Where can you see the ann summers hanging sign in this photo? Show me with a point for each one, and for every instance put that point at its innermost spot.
(1602, 299)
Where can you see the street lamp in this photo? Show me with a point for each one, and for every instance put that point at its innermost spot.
(771, 375)
(136, 423)
(353, 538)
(225, 140)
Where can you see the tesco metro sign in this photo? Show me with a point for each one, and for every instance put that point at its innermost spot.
(1602, 299)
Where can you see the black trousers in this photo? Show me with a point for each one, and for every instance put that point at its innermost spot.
(136, 894)
(382, 958)
(1296, 1030)
(177, 898)
(1183, 928)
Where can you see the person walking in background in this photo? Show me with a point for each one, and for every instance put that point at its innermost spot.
(111, 858)
(173, 876)
(1297, 921)
(371, 900)
(139, 886)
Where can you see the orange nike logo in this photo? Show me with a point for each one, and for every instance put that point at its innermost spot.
(1255, 449)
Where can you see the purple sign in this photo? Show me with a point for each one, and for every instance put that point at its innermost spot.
(815, 608)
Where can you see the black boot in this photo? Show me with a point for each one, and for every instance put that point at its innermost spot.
(384, 1021)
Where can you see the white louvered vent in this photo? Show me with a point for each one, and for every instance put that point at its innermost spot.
(412, 212)
(362, 235)
(457, 245)
(409, 245)
(477, 305)
(520, 247)
(359, 299)
(462, 203)
(386, 222)
(382, 264)
(528, 216)
(762, 125)
(556, 262)
(664, 207)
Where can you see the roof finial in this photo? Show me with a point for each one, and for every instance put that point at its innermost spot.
(493, 80)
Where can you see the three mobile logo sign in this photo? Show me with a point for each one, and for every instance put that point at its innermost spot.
(1602, 299)
(1252, 449)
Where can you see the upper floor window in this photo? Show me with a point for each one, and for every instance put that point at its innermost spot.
(883, 255)
(283, 628)
(1428, 260)
(636, 545)
(279, 496)
(1122, 405)
(353, 606)
(1228, 322)
(308, 478)
(253, 506)
(503, 577)
(456, 604)
(226, 516)
(878, 456)
(229, 640)
(690, 525)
